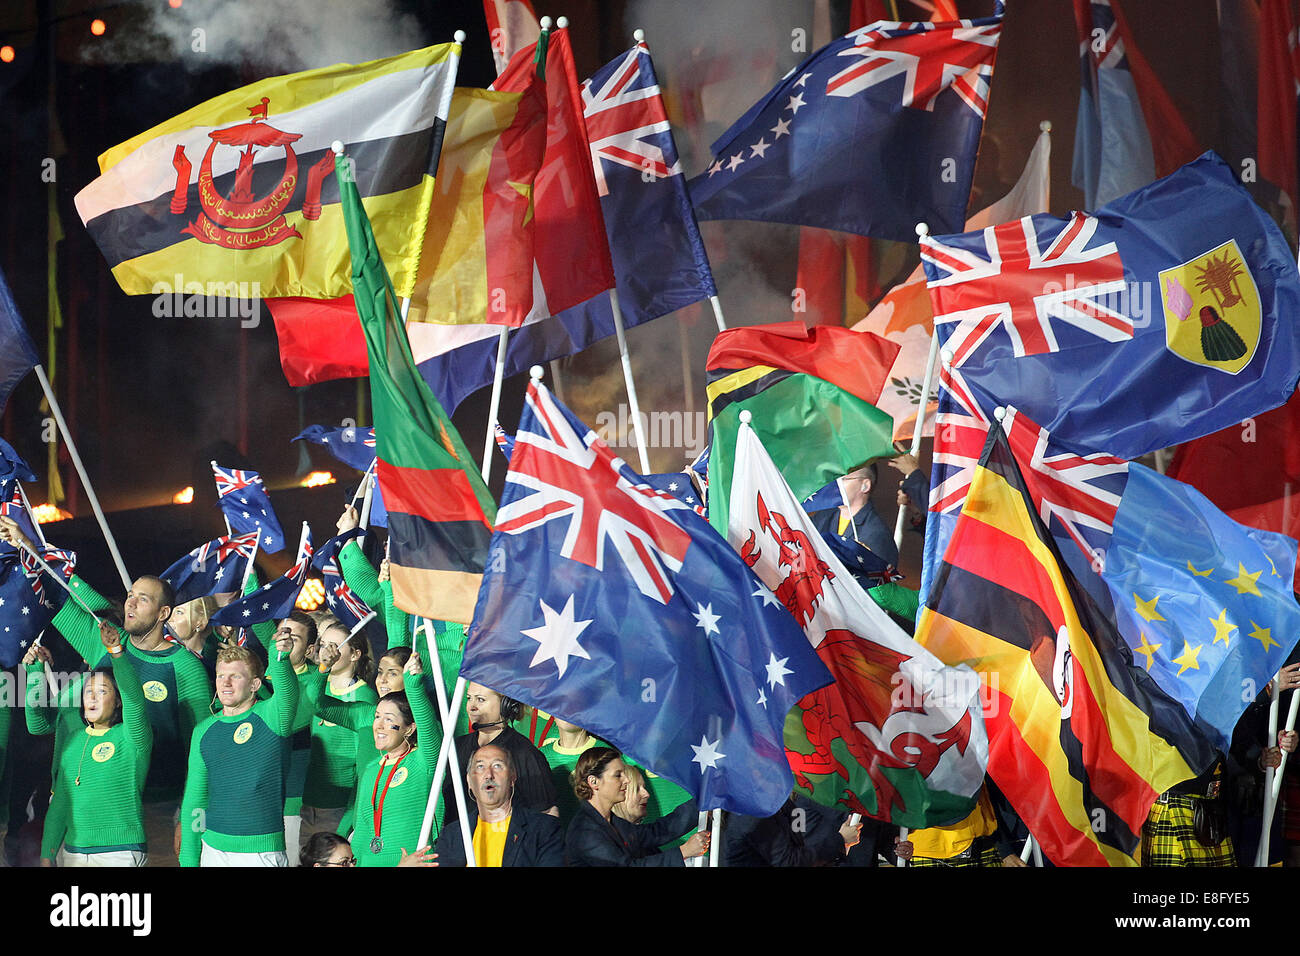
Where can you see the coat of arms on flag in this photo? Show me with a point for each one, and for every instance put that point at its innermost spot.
(1211, 309)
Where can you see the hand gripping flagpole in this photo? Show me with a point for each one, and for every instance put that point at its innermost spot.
(368, 483)
(1261, 851)
(918, 430)
(57, 412)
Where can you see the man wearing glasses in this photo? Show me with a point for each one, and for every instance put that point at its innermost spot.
(856, 518)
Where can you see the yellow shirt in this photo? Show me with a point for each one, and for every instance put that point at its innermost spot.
(490, 842)
(942, 843)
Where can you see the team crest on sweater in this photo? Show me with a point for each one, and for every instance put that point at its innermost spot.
(154, 690)
(103, 752)
(243, 732)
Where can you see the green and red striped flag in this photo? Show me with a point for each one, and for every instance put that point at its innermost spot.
(812, 393)
(440, 512)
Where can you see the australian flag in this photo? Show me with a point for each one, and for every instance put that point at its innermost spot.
(871, 134)
(272, 601)
(354, 445)
(13, 506)
(17, 352)
(342, 600)
(247, 507)
(618, 608)
(659, 259)
(219, 565)
(22, 614)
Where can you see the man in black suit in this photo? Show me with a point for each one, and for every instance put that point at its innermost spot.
(503, 835)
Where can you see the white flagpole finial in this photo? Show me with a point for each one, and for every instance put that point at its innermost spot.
(337, 146)
(546, 23)
(459, 36)
(1000, 413)
(638, 35)
(562, 23)
(746, 416)
(1045, 126)
(946, 355)
(922, 229)
(536, 373)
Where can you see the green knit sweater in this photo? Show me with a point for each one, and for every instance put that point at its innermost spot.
(176, 689)
(407, 795)
(98, 778)
(234, 793)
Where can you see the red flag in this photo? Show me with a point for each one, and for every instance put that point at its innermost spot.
(857, 362)
(512, 25)
(1279, 75)
(573, 258)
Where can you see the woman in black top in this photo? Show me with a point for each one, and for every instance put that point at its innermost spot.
(597, 837)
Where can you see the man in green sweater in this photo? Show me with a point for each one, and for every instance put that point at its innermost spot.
(176, 688)
(234, 792)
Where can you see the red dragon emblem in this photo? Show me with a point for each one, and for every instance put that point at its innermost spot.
(869, 686)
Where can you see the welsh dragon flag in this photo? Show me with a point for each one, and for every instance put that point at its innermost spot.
(899, 735)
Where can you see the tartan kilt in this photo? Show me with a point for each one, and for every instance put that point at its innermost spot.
(986, 857)
(1168, 838)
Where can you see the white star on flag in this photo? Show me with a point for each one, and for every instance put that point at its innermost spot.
(776, 671)
(706, 619)
(782, 128)
(266, 607)
(762, 698)
(26, 609)
(672, 486)
(557, 637)
(267, 541)
(707, 754)
(247, 515)
(735, 161)
(767, 596)
(247, 612)
(795, 103)
(759, 148)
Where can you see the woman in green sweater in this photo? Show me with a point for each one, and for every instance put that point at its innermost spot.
(393, 789)
(95, 808)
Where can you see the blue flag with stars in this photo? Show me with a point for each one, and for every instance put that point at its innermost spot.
(22, 614)
(355, 447)
(1204, 603)
(247, 507)
(871, 134)
(341, 599)
(618, 608)
(272, 601)
(219, 565)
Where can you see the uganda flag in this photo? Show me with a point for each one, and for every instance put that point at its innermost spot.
(1081, 742)
(439, 509)
(238, 197)
(812, 394)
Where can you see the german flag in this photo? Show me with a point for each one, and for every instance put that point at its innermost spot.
(439, 509)
(1080, 740)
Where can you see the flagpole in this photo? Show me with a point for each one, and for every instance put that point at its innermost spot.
(62, 583)
(1292, 713)
(1261, 851)
(57, 412)
(27, 507)
(494, 406)
(918, 429)
(249, 571)
(447, 755)
(229, 533)
(635, 407)
(367, 482)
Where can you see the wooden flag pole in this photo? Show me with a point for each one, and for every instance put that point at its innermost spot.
(918, 430)
(633, 405)
(57, 412)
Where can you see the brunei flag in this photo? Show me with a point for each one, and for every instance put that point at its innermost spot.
(238, 196)
(812, 393)
(1080, 740)
(439, 510)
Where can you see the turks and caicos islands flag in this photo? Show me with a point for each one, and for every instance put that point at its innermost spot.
(240, 191)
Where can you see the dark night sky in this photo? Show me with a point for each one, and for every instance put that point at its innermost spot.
(150, 398)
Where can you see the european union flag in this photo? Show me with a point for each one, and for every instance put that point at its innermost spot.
(618, 608)
(211, 568)
(243, 500)
(1163, 316)
(870, 134)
